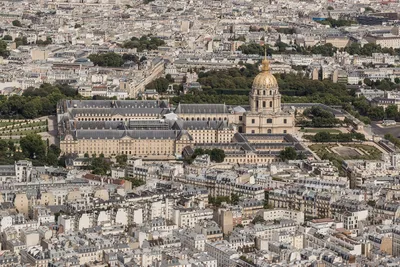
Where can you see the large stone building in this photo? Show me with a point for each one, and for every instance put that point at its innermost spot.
(266, 114)
(154, 130)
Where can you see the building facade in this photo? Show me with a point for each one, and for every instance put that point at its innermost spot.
(153, 129)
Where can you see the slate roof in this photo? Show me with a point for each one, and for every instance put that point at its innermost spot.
(117, 134)
(117, 111)
(201, 109)
(87, 125)
(200, 125)
(148, 125)
(116, 104)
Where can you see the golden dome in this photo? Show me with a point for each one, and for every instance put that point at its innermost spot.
(265, 80)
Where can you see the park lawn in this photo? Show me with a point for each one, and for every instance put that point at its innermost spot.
(374, 153)
(15, 141)
(23, 132)
(23, 124)
(7, 123)
(42, 128)
(318, 130)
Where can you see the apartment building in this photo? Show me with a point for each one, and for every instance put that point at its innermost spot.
(221, 251)
(188, 217)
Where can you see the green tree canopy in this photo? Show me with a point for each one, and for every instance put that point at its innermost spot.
(392, 111)
(289, 153)
(160, 84)
(7, 37)
(110, 59)
(3, 49)
(16, 23)
(144, 43)
(121, 160)
(100, 165)
(33, 146)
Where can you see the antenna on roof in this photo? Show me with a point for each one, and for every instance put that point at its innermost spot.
(265, 51)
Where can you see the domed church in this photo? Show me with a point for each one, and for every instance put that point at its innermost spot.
(266, 115)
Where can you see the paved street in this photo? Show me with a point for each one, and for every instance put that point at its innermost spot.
(393, 130)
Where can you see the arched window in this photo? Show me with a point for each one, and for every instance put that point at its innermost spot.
(263, 92)
(270, 92)
(264, 104)
(284, 120)
(270, 104)
(269, 131)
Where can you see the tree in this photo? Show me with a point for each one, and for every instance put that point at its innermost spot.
(376, 113)
(289, 153)
(217, 155)
(368, 81)
(48, 41)
(397, 80)
(121, 160)
(52, 159)
(3, 49)
(218, 200)
(322, 137)
(353, 49)
(337, 23)
(394, 140)
(33, 146)
(110, 59)
(325, 50)
(234, 199)
(330, 8)
(100, 165)
(369, 9)
(161, 85)
(11, 146)
(7, 37)
(55, 150)
(391, 111)
(258, 219)
(3, 145)
(169, 78)
(30, 111)
(136, 182)
(16, 23)
(130, 57)
(144, 43)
